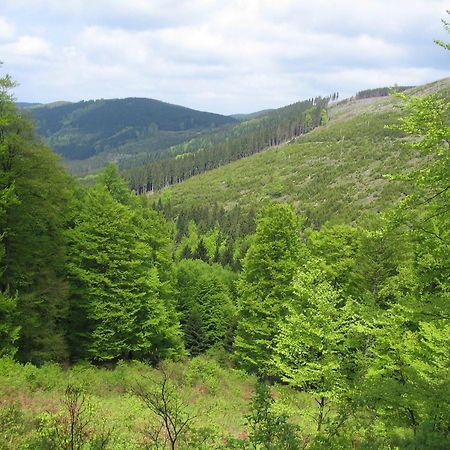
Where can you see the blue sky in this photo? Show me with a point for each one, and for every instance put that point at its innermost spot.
(224, 56)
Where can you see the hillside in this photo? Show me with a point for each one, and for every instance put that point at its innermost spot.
(89, 133)
(227, 144)
(335, 172)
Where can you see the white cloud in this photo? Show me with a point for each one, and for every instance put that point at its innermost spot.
(7, 30)
(229, 56)
(26, 51)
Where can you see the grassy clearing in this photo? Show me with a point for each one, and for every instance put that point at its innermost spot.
(32, 402)
(216, 395)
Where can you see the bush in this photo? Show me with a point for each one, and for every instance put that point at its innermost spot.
(269, 430)
(11, 425)
(204, 371)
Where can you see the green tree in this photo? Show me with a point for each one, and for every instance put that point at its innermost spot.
(407, 378)
(308, 350)
(9, 328)
(269, 430)
(116, 285)
(336, 249)
(406, 382)
(35, 207)
(201, 251)
(204, 301)
(116, 185)
(265, 285)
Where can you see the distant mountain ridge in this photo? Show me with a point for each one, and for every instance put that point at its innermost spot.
(159, 143)
(27, 104)
(251, 115)
(118, 127)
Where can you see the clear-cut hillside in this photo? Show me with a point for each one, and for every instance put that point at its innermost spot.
(336, 172)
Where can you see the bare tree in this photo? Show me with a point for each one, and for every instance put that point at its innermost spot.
(78, 417)
(74, 428)
(165, 403)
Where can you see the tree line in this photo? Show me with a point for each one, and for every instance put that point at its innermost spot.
(228, 144)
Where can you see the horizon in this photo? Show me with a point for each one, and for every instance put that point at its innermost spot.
(236, 58)
(213, 112)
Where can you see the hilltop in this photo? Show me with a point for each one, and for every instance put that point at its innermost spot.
(89, 133)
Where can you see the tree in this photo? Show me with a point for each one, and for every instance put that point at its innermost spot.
(118, 310)
(308, 349)
(174, 418)
(205, 305)
(9, 328)
(269, 430)
(406, 382)
(116, 186)
(408, 373)
(336, 248)
(35, 208)
(201, 251)
(265, 286)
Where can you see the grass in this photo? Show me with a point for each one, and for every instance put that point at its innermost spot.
(217, 395)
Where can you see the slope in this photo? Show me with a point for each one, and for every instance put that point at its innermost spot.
(227, 144)
(335, 172)
(116, 129)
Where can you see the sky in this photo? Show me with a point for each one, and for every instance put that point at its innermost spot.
(224, 56)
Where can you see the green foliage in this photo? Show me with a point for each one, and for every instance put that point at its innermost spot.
(309, 345)
(335, 173)
(89, 133)
(336, 249)
(204, 302)
(353, 320)
(407, 371)
(228, 144)
(72, 428)
(119, 308)
(9, 328)
(268, 429)
(204, 371)
(265, 286)
(224, 233)
(35, 208)
(11, 425)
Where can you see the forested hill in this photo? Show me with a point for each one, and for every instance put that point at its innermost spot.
(336, 172)
(118, 128)
(228, 144)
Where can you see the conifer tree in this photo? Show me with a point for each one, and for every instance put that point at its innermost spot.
(204, 302)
